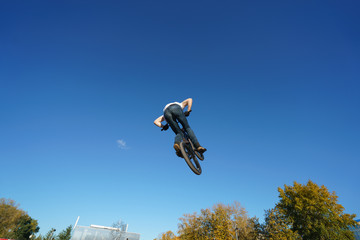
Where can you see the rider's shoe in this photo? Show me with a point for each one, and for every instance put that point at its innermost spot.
(177, 149)
(201, 149)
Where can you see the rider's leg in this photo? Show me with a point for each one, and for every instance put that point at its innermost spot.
(182, 119)
(171, 120)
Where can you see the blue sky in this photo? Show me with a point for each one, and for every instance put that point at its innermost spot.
(276, 99)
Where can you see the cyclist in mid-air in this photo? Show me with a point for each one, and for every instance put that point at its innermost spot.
(173, 112)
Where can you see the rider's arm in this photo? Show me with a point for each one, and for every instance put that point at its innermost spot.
(188, 102)
(158, 121)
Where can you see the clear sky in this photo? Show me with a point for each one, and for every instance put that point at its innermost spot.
(276, 97)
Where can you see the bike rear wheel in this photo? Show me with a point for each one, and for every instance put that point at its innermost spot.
(190, 158)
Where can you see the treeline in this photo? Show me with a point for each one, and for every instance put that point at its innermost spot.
(51, 235)
(15, 223)
(303, 212)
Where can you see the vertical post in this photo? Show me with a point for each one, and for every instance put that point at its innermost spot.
(76, 222)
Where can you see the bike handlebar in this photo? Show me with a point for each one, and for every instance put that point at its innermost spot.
(187, 113)
(166, 127)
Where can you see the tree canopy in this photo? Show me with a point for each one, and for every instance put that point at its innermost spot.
(308, 212)
(169, 235)
(304, 212)
(15, 223)
(219, 222)
(65, 234)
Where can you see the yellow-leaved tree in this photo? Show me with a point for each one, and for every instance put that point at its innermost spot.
(14, 222)
(308, 212)
(169, 235)
(219, 222)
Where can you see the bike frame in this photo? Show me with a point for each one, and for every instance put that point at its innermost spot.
(187, 139)
(192, 159)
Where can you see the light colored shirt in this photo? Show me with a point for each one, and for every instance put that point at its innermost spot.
(167, 105)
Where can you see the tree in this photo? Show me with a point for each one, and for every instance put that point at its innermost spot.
(308, 212)
(50, 234)
(14, 222)
(220, 222)
(119, 232)
(26, 226)
(65, 234)
(9, 215)
(169, 235)
(276, 227)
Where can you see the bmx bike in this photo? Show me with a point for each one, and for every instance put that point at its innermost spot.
(190, 154)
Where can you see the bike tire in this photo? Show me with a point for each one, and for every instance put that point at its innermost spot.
(190, 158)
(199, 155)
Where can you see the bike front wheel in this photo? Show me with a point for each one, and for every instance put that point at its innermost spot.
(190, 158)
(199, 155)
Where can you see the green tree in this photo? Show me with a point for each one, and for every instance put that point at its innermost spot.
(14, 222)
(26, 226)
(310, 212)
(220, 222)
(65, 234)
(50, 234)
